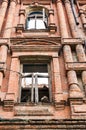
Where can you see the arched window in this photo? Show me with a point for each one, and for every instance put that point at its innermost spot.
(37, 19)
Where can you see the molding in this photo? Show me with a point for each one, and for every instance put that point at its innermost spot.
(42, 2)
(75, 66)
(52, 28)
(54, 124)
(35, 48)
(20, 27)
(22, 11)
(72, 41)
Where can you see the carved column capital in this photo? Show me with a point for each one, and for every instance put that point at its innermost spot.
(22, 12)
(51, 11)
(52, 27)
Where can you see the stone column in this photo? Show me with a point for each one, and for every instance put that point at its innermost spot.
(8, 27)
(22, 16)
(51, 16)
(52, 26)
(3, 53)
(82, 15)
(1, 79)
(84, 80)
(3, 12)
(7, 34)
(67, 54)
(75, 91)
(71, 19)
(13, 85)
(57, 81)
(4, 49)
(62, 21)
(20, 26)
(80, 53)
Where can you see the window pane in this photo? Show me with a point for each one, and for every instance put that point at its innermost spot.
(42, 79)
(26, 80)
(40, 24)
(31, 24)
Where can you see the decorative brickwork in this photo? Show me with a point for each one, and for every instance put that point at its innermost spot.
(43, 64)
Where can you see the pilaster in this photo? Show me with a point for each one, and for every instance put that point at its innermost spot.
(75, 91)
(67, 53)
(80, 53)
(62, 20)
(13, 85)
(3, 58)
(20, 26)
(3, 12)
(8, 27)
(76, 95)
(84, 80)
(52, 27)
(82, 15)
(59, 101)
(71, 19)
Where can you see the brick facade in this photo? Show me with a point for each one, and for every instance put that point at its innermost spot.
(36, 38)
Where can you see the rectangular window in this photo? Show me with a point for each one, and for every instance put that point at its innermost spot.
(35, 83)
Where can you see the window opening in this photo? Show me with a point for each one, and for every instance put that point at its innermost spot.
(37, 20)
(35, 86)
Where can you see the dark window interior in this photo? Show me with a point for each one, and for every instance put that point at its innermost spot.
(42, 68)
(26, 95)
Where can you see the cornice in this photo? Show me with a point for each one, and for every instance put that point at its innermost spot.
(43, 2)
(46, 40)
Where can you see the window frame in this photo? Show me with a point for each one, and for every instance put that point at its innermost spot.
(49, 89)
(39, 13)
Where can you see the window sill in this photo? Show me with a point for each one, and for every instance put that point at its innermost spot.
(35, 30)
(33, 104)
(36, 33)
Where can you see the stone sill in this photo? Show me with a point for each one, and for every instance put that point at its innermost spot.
(71, 41)
(35, 30)
(35, 34)
(75, 66)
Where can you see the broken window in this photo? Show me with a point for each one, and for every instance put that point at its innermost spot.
(35, 84)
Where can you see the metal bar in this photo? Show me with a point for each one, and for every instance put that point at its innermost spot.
(32, 89)
(36, 89)
(43, 14)
(49, 84)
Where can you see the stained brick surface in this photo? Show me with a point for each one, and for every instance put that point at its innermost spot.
(59, 45)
